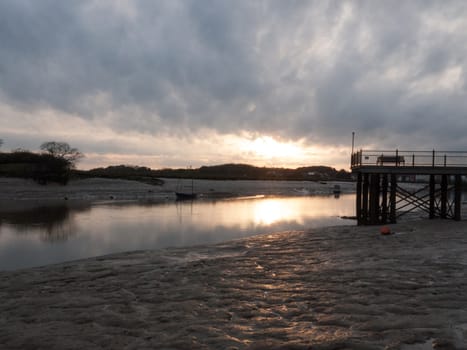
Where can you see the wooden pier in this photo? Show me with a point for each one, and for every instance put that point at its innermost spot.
(381, 200)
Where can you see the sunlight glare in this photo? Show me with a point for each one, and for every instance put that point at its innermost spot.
(267, 147)
(269, 211)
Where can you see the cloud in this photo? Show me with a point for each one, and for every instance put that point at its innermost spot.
(308, 71)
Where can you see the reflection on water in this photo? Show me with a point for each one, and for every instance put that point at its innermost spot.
(46, 235)
(52, 223)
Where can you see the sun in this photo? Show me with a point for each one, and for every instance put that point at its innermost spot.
(268, 148)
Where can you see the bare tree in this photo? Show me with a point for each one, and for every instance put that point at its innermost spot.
(62, 150)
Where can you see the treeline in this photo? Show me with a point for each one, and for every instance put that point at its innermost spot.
(249, 172)
(42, 168)
(54, 164)
(127, 172)
(221, 172)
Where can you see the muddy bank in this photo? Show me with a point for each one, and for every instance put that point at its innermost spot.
(332, 288)
(26, 192)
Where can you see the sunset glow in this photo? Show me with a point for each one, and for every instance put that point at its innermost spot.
(267, 147)
(172, 84)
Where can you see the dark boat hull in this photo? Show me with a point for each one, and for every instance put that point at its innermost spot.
(185, 196)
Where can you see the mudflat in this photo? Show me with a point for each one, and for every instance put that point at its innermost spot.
(331, 288)
(21, 192)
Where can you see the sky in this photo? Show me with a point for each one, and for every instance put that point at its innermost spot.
(201, 82)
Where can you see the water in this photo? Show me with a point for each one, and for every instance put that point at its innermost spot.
(46, 235)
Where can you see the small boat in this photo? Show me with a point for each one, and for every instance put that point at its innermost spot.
(336, 189)
(181, 196)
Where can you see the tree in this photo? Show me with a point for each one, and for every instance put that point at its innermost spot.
(62, 150)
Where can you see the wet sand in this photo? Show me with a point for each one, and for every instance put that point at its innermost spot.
(15, 191)
(331, 288)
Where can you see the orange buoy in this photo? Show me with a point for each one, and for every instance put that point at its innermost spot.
(385, 230)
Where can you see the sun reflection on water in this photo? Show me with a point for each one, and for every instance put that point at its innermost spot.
(269, 211)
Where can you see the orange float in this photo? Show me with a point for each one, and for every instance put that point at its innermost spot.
(385, 230)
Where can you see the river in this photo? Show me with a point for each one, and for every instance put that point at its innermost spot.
(46, 235)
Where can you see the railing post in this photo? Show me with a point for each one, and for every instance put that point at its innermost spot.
(433, 159)
(397, 157)
(413, 159)
(444, 160)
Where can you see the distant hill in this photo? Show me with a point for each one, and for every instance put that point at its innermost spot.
(135, 173)
(219, 172)
(46, 168)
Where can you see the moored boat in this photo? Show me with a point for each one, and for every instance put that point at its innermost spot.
(185, 196)
(336, 189)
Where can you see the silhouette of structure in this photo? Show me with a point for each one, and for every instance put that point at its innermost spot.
(381, 200)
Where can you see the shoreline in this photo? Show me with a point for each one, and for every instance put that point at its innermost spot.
(335, 287)
(95, 189)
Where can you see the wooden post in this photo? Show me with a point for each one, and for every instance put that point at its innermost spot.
(384, 203)
(374, 199)
(359, 199)
(392, 199)
(365, 199)
(432, 196)
(444, 196)
(457, 197)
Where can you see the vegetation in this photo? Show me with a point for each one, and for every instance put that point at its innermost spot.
(135, 173)
(62, 150)
(54, 165)
(220, 172)
(42, 168)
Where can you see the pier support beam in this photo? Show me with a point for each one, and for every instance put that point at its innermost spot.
(444, 196)
(384, 200)
(359, 199)
(457, 197)
(392, 199)
(374, 199)
(365, 199)
(432, 187)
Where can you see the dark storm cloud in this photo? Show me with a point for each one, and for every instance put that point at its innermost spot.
(393, 71)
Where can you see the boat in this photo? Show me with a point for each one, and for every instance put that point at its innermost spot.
(183, 196)
(336, 189)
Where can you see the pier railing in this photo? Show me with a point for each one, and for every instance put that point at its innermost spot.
(398, 158)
